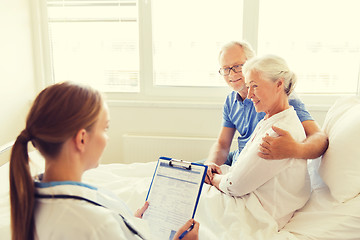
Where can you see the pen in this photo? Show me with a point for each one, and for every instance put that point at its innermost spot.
(188, 230)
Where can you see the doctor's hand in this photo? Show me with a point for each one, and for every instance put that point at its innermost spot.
(212, 169)
(139, 213)
(280, 147)
(192, 234)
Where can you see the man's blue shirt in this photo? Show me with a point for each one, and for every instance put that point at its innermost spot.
(241, 114)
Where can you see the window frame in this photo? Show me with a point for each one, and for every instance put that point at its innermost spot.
(148, 91)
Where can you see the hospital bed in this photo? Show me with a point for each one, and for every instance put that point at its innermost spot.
(332, 212)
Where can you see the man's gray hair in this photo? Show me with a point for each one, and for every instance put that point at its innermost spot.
(249, 52)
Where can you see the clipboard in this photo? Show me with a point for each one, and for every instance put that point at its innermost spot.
(173, 195)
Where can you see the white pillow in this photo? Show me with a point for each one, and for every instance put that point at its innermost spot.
(340, 165)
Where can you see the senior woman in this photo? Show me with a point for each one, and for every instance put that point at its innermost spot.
(281, 186)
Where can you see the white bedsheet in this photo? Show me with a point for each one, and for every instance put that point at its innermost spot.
(220, 216)
(325, 219)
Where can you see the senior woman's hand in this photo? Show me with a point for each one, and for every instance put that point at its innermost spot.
(216, 180)
(212, 169)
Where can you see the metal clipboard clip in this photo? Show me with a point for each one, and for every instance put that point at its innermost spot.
(180, 164)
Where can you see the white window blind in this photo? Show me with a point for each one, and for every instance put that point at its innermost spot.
(187, 36)
(318, 38)
(95, 42)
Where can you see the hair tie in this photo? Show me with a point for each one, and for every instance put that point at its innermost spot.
(24, 136)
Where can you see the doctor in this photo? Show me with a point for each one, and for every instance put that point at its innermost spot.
(67, 124)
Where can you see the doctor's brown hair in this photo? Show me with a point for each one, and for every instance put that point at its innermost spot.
(57, 114)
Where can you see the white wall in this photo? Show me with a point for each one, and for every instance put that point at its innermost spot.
(16, 67)
(169, 120)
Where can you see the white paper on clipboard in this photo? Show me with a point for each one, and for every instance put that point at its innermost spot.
(173, 196)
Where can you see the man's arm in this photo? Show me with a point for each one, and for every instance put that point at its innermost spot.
(284, 146)
(220, 150)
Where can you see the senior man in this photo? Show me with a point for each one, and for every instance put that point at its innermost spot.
(239, 115)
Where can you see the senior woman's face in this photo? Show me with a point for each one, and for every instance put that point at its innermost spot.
(262, 92)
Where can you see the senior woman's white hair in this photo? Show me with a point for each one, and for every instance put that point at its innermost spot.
(272, 67)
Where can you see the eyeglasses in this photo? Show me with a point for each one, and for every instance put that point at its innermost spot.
(226, 71)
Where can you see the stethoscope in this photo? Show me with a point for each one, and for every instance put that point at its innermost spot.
(64, 196)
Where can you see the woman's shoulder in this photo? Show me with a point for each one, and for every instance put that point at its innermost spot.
(291, 123)
(77, 221)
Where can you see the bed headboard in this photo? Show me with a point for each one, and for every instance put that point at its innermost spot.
(5, 151)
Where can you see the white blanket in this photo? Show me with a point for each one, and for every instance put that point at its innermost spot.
(220, 216)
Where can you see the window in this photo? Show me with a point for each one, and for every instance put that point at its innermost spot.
(97, 41)
(319, 39)
(187, 37)
(147, 48)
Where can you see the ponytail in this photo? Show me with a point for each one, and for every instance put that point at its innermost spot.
(290, 82)
(21, 190)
